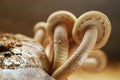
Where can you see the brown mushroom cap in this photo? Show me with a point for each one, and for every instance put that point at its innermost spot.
(96, 61)
(61, 17)
(94, 18)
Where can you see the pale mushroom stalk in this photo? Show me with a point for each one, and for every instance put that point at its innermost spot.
(40, 31)
(79, 56)
(60, 26)
(96, 61)
(39, 35)
(60, 46)
(42, 36)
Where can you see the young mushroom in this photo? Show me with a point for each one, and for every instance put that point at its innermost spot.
(41, 34)
(60, 26)
(40, 31)
(102, 22)
(96, 61)
(93, 30)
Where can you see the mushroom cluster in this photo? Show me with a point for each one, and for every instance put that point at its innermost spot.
(71, 43)
(60, 46)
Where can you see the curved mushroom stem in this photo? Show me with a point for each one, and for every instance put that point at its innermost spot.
(60, 25)
(40, 31)
(60, 46)
(96, 61)
(39, 35)
(79, 56)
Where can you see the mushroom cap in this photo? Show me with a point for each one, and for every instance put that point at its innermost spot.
(101, 59)
(93, 18)
(59, 17)
(39, 25)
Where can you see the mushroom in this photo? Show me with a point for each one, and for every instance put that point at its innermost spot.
(39, 30)
(41, 34)
(60, 26)
(102, 22)
(96, 61)
(93, 30)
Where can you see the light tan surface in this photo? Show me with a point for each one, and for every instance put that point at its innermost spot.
(110, 73)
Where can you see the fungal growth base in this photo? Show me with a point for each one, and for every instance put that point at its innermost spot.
(60, 46)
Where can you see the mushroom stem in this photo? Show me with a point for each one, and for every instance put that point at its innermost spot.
(39, 35)
(40, 31)
(79, 56)
(60, 46)
(60, 25)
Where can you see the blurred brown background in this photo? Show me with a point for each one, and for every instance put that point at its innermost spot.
(19, 16)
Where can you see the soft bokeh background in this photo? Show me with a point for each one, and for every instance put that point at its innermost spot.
(19, 16)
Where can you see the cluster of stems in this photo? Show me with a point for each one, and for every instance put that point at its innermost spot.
(72, 42)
